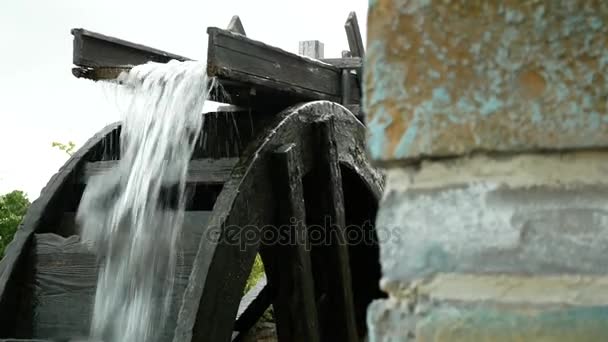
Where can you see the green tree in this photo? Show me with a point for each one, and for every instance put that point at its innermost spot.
(12, 209)
(67, 148)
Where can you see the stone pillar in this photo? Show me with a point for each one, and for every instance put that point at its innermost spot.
(490, 120)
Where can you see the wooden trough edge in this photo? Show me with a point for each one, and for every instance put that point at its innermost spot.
(240, 64)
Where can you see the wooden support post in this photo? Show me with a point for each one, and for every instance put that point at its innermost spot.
(346, 87)
(342, 325)
(355, 42)
(353, 34)
(252, 307)
(311, 48)
(346, 80)
(287, 264)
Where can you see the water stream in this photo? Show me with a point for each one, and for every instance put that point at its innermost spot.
(132, 214)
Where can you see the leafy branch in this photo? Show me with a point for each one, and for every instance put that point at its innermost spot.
(67, 148)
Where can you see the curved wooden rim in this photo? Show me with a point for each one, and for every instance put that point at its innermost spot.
(208, 286)
(33, 217)
(350, 137)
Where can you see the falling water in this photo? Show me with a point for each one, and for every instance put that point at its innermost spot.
(132, 214)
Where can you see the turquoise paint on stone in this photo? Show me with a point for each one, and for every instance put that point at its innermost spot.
(594, 120)
(441, 95)
(407, 139)
(458, 322)
(376, 127)
(490, 106)
(536, 115)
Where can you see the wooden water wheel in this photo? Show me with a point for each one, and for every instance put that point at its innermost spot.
(306, 166)
(293, 185)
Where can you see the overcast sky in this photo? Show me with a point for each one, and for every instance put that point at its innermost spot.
(40, 100)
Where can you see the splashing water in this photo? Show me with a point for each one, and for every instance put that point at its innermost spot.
(132, 214)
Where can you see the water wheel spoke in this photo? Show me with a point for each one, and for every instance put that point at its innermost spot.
(252, 307)
(287, 263)
(342, 325)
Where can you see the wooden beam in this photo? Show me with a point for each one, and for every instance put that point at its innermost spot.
(345, 63)
(270, 70)
(288, 264)
(236, 25)
(252, 308)
(206, 171)
(353, 34)
(92, 50)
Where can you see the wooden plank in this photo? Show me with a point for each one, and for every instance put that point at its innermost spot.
(342, 325)
(346, 87)
(65, 278)
(353, 34)
(345, 62)
(41, 213)
(236, 25)
(93, 49)
(288, 265)
(311, 48)
(240, 64)
(252, 306)
(238, 58)
(207, 171)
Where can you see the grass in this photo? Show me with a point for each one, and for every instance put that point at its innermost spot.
(257, 271)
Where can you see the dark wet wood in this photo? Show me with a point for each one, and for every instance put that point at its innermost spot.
(99, 73)
(207, 171)
(287, 263)
(93, 50)
(269, 69)
(355, 43)
(236, 25)
(222, 264)
(65, 276)
(252, 307)
(15, 311)
(345, 63)
(214, 290)
(342, 324)
(251, 73)
(353, 34)
(346, 87)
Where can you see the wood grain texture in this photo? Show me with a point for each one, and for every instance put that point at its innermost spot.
(340, 326)
(353, 34)
(345, 62)
(208, 171)
(203, 316)
(65, 277)
(42, 212)
(287, 263)
(237, 58)
(93, 49)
